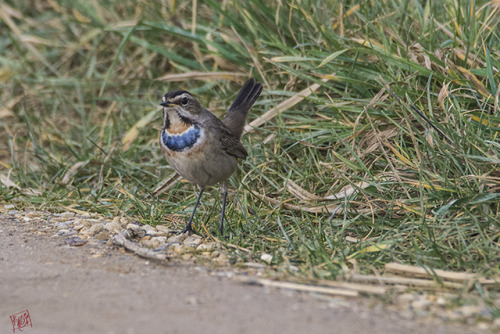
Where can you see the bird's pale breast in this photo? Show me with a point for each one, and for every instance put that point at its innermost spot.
(196, 157)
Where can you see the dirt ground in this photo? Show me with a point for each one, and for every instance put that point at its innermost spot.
(97, 288)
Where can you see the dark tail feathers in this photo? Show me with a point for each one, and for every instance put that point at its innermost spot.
(237, 113)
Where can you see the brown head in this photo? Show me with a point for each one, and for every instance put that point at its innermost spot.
(181, 104)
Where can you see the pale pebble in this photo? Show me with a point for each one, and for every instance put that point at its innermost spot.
(193, 241)
(149, 229)
(206, 246)
(113, 227)
(177, 238)
(96, 228)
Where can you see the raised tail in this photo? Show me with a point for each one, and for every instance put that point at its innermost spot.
(237, 113)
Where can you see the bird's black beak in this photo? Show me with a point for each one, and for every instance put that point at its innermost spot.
(165, 104)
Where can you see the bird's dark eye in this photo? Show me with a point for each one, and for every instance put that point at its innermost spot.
(184, 101)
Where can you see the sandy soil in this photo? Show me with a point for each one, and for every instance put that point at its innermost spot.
(96, 288)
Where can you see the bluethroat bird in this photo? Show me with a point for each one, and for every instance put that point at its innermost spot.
(200, 147)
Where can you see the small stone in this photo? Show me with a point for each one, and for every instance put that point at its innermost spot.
(187, 256)
(440, 301)
(65, 232)
(206, 246)
(78, 227)
(177, 237)
(193, 241)
(113, 226)
(64, 214)
(161, 240)
(214, 254)
(496, 323)
(84, 231)
(58, 219)
(176, 247)
(152, 243)
(163, 230)
(149, 230)
(482, 325)
(9, 206)
(62, 224)
(96, 228)
(132, 227)
(187, 249)
(124, 221)
(102, 235)
(79, 221)
(406, 298)
(421, 304)
(135, 231)
(76, 242)
(222, 259)
(206, 255)
(145, 238)
(268, 258)
(33, 214)
(468, 310)
(254, 265)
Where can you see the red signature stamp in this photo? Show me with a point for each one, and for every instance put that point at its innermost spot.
(21, 321)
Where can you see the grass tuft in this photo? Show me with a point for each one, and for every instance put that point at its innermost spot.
(393, 156)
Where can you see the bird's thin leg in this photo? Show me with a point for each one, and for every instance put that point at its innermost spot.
(221, 225)
(224, 196)
(188, 227)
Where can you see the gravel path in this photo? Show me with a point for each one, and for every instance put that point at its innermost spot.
(100, 288)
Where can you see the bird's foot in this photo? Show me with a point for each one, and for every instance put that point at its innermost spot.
(187, 230)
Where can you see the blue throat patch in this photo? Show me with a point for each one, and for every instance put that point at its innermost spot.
(182, 141)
